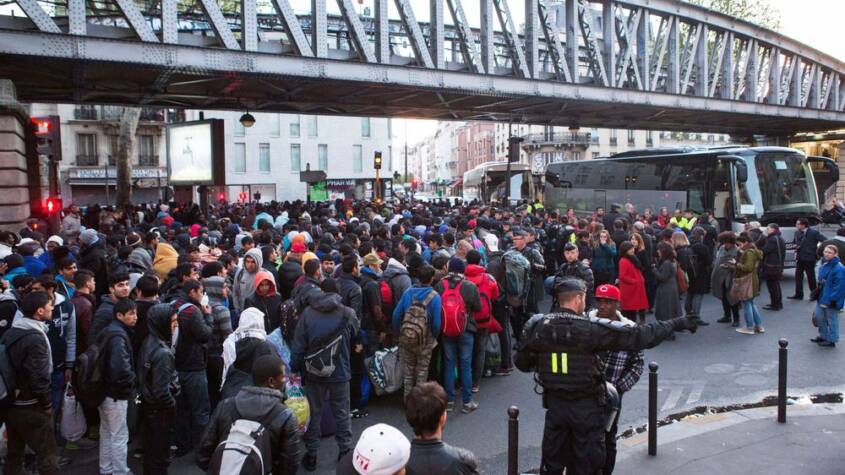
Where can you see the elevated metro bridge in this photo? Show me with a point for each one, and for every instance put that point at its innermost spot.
(644, 64)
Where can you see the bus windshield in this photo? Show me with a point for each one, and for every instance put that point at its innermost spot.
(786, 184)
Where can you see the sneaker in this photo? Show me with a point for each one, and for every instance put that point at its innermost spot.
(796, 297)
(503, 372)
(745, 331)
(700, 322)
(759, 329)
(817, 339)
(138, 453)
(81, 444)
(469, 407)
(475, 389)
(310, 462)
(450, 406)
(828, 344)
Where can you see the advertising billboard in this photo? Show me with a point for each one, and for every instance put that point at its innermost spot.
(192, 152)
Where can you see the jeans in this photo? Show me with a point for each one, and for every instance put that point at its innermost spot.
(801, 268)
(339, 399)
(752, 315)
(114, 437)
(458, 347)
(57, 393)
(692, 304)
(157, 427)
(31, 426)
(828, 321)
(192, 408)
(479, 351)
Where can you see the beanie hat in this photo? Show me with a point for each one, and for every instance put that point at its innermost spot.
(456, 265)
(88, 237)
(381, 450)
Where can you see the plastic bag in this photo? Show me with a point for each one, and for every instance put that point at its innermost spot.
(297, 402)
(73, 419)
(493, 353)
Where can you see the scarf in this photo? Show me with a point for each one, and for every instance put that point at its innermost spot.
(250, 325)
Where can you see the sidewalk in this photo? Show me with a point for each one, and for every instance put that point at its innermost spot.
(746, 442)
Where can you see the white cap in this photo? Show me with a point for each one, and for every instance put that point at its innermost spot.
(57, 240)
(381, 450)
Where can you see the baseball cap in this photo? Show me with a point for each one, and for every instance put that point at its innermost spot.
(381, 450)
(607, 291)
(569, 284)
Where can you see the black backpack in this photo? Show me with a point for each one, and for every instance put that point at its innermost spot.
(89, 383)
(8, 384)
(246, 450)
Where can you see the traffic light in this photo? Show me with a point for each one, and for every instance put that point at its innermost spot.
(53, 205)
(513, 148)
(242, 196)
(48, 136)
(257, 196)
(377, 161)
(221, 196)
(414, 183)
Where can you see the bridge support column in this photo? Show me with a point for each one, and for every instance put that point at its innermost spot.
(14, 189)
(840, 162)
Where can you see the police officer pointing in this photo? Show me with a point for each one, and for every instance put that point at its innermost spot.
(562, 349)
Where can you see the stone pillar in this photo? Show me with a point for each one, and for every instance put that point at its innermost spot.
(14, 188)
(840, 162)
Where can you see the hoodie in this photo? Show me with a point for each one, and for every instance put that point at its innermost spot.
(158, 382)
(269, 304)
(397, 278)
(241, 349)
(9, 307)
(140, 259)
(244, 285)
(165, 261)
(221, 317)
(433, 309)
(486, 285)
(322, 317)
(265, 405)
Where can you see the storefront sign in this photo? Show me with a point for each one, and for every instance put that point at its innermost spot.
(100, 173)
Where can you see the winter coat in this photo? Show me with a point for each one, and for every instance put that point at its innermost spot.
(263, 405)
(270, 304)
(239, 375)
(774, 255)
(289, 272)
(666, 298)
(34, 266)
(319, 320)
(486, 285)
(433, 310)
(604, 257)
(700, 271)
(84, 305)
(166, 259)
(808, 243)
(632, 285)
(94, 258)
(397, 278)
(61, 330)
(157, 380)
(837, 241)
(119, 370)
(469, 292)
(29, 355)
(194, 335)
(350, 292)
(102, 317)
(723, 271)
(305, 292)
(221, 319)
(832, 274)
(141, 259)
(430, 457)
(579, 270)
(749, 263)
(372, 316)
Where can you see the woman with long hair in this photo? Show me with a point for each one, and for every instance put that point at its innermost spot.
(663, 217)
(722, 278)
(604, 259)
(666, 299)
(646, 266)
(699, 274)
(749, 264)
(632, 284)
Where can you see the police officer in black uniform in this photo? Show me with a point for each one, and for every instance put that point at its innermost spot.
(562, 349)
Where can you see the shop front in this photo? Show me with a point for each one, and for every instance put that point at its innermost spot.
(87, 185)
(351, 189)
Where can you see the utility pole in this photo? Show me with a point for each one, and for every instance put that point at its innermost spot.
(508, 172)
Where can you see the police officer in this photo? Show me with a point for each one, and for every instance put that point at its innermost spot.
(562, 349)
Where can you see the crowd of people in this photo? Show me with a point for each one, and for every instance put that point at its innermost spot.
(189, 331)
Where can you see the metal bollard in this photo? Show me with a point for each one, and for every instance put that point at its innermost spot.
(652, 408)
(782, 362)
(513, 440)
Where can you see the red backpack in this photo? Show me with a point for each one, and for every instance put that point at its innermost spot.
(454, 310)
(386, 294)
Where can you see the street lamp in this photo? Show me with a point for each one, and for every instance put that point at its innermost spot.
(247, 120)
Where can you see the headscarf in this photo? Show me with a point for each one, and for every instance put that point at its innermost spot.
(250, 325)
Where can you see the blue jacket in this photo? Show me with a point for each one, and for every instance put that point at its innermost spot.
(604, 257)
(320, 319)
(433, 309)
(34, 267)
(832, 273)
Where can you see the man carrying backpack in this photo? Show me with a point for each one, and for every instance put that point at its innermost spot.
(416, 319)
(320, 352)
(229, 444)
(158, 387)
(118, 372)
(488, 291)
(29, 419)
(118, 289)
(459, 298)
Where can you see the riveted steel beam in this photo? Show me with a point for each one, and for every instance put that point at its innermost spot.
(77, 23)
(487, 48)
(437, 34)
(356, 31)
(37, 15)
(319, 28)
(469, 49)
(219, 24)
(414, 33)
(292, 27)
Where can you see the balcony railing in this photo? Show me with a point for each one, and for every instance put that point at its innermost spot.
(568, 138)
(85, 113)
(114, 113)
(87, 160)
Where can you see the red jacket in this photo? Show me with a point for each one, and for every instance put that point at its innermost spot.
(486, 286)
(632, 286)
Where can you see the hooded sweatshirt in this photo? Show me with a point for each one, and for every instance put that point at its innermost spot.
(140, 258)
(269, 304)
(244, 285)
(245, 344)
(166, 260)
(220, 315)
(433, 309)
(397, 278)
(158, 382)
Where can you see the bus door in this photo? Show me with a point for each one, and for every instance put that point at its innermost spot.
(825, 174)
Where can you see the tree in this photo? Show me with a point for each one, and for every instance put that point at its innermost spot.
(125, 146)
(759, 12)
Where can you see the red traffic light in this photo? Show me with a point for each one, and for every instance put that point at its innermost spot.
(42, 125)
(221, 196)
(243, 196)
(53, 205)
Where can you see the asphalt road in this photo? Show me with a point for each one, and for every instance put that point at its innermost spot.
(716, 366)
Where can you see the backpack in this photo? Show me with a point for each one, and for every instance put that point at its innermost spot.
(247, 450)
(8, 384)
(517, 276)
(414, 332)
(386, 293)
(320, 361)
(454, 310)
(289, 314)
(89, 383)
(385, 371)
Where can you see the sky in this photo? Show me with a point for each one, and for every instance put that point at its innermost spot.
(813, 22)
